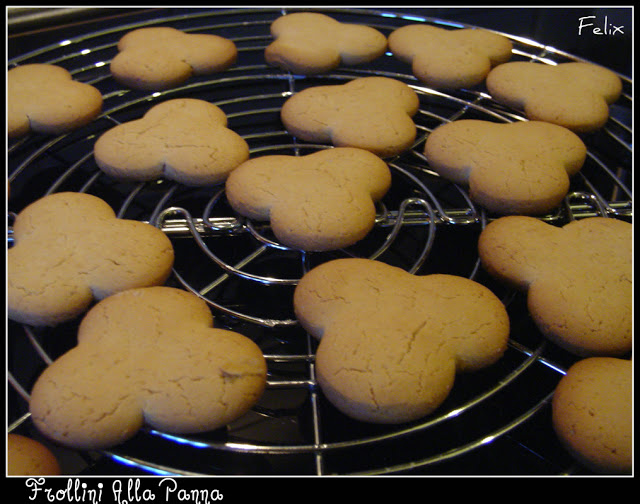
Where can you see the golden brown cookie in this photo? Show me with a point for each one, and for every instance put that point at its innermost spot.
(159, 58)
(28, 457)
(70, 249)
(391, 342)
(592, 414)
(312, 43)
(509, 168)
(371, 113)
(45, 99)
(321, 201)
(449, 59)
(578, 278)
(167, 368)
(574, 95)
(185, 139)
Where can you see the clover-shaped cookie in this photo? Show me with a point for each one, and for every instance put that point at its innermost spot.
(147, 356)
(592, 414)
(510, 168)
(70, 249)
(577, 278)
(392, 342)
(449, 59)
(321, 201)
(311, 43)
(159, 58)
(44, 98)
(575, 95)
(371, 113)
(185, 139)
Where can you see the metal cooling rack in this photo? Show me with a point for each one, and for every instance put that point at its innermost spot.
(494, 422)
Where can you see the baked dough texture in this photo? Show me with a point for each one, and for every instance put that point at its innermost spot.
(317, 202)
(391, 343)
(510, 168)
(147, 356)
(578, 278)
(70, 249)
(28, 457)
(184, 139)
(575, 95)
(160, 58)
(370, 113)
(311, 43)
(449, 59)
(592, 414)
(44, 98)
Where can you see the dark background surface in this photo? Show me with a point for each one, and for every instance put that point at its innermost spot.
(558, 27)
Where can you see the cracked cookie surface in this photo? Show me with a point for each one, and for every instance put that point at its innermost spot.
(449, 59)
(509, 168)
(70, 249)
(44, 98)
(370, 113)
(147, 356)
(577, 278)
(321, 201)
(184, 139)
(592, 414)
(311, 43)
(391, 342)
(159, 58)
(575, 95)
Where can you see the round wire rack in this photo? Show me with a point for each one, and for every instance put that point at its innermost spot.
(494, 421)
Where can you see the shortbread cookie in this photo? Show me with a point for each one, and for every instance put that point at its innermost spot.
(321, 201)
(185, 139)
(28, 457)
(577, 278)
(166, 366)
(449, 59)
(312, 43)
(574, 95)
(371, 113)
(43, 98)
(70, 249)
(592, 414)
(509, 168)
(391, 343)
(159, 58)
